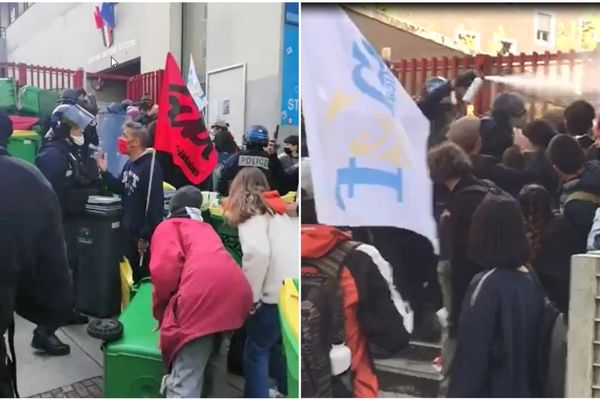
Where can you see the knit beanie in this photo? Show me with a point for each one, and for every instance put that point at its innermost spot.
(185, 197)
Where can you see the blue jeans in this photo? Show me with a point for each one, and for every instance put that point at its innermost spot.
(263, 333)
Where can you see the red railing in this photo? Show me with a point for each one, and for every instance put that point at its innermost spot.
(413, 73)
(148, 83)
(43, 77)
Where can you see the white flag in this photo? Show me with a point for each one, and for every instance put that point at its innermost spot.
(366, 136)
(195, 88)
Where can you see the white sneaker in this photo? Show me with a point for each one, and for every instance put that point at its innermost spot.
(274, 394)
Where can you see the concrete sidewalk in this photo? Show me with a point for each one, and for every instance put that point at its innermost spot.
(38, 374)
(77, 375)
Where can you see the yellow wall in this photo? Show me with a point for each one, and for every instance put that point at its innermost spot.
(577, 26)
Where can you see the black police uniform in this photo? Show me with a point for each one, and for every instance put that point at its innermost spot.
(34, 277)
(73, 173)
(252, 157)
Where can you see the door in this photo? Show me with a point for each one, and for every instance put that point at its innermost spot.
(226, 94)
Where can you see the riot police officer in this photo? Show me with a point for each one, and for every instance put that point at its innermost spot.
(254, 154)
(88, 103)
(66, 161)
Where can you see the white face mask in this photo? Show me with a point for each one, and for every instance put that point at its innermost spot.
(78, 140)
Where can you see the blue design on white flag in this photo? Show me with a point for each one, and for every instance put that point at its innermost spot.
(366, 57)
(366, 136)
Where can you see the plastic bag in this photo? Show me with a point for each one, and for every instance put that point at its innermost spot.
(126, 274)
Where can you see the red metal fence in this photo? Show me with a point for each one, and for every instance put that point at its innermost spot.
(43, 77)
(413, 73)
(148, 83)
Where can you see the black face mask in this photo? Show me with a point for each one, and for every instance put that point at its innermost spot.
(287, 151)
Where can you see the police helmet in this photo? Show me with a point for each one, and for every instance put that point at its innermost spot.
(257, 135)
(510, 103)
(434, 83)
(69, 96)
(71, 116)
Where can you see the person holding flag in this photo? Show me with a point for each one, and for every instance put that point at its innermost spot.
(141, 190)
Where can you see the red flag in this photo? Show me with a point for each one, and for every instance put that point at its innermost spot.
(180, 128)
(98, 18)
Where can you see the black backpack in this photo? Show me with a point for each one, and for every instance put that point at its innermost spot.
(322, 324)
(484, 186)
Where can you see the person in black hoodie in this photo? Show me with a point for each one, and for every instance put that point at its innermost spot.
(499, 330)
(579, 120)
(34, 272)
(142, 210)
(450, 165)
(465, 132)
(581, 183)
(553, 240)
(497, 135)
(66, 162)
(540, 133)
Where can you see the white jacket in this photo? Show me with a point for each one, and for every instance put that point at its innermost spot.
(270, 244)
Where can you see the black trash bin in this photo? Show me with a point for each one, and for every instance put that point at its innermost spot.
(100, 247)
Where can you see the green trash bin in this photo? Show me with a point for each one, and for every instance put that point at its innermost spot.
(8, 97)
(36, 101)
(228, 234)
(133, 365)
(25, 146)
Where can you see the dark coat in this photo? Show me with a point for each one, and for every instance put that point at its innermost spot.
(560, 241)
(461, 206)
(413, 261)
(34, 273)
(440, 115)
(579, 212)
(545, 175)
(71, 171)
(510, 179)
(496, 351)
(592, 153)
(225, 143)
(269, 165)
(496, 135)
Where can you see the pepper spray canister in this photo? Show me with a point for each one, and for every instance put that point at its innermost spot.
(472, 91)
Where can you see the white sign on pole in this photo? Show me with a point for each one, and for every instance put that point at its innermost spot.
(193, 84)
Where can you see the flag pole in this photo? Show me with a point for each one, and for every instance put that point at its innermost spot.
(148, 197)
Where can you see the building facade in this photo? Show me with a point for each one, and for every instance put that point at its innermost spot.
(498, 28)
(245, 54)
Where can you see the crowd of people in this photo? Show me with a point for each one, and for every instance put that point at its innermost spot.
(514, 199)
(187, 263)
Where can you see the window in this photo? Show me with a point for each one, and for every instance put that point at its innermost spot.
(12, 12)
(544, 28)
(507, 46)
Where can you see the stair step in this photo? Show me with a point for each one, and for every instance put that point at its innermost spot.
(423, 351)
(411, 373)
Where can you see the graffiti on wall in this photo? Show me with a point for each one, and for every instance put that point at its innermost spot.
(468, 39)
